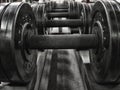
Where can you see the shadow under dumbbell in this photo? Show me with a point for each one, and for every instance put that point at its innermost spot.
(64, 73)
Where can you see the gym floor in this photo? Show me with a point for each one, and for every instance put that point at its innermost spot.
(57, 70)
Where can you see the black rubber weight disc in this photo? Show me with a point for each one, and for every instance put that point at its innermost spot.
(105, 61)
(85, 15)
(39, 11)
(18, 64)
(3, 77)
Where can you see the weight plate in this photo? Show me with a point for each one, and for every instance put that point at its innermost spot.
(69, 7)
(3, 76)
(88, 17)
(105, 63)
(76, 10)
(85, 16)
(75, 13)
(2, 8)
(39, 12)
(73, 10)
(18, 62)
(90, 6)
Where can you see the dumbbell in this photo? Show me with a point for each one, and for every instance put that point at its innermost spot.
(41, 18)
(82, 11)
(104, 67)
(71, 12)
(18, 34)
(106, 59)
(72, 23)
(20, 62)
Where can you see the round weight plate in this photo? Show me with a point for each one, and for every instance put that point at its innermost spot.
(2, 9)
(105, 63)
(85, 16)
(3, 76)
(76, 15)
(70, 7)
(90, 8)
(73, 10)
(88, 17)
(18, 62)
(76, 10)
(39, 12)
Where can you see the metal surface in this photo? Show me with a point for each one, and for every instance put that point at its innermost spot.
(18, 63)
(58, 15)
(62, 23)
(62, 42)
(59, 10)
(62, 15)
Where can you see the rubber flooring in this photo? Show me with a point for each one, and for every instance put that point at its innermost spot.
(62, 72)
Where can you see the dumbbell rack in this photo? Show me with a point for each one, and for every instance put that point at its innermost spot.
(94, 34)
(51, 85)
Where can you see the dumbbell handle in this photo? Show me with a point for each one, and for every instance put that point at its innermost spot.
(59, 10)
(62, 23)
(62, 14)
(59, 15)
(81, 42)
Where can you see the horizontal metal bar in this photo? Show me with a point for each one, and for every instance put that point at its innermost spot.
(63, 23)
(59, 10)
(59, 15)
(81, 42)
